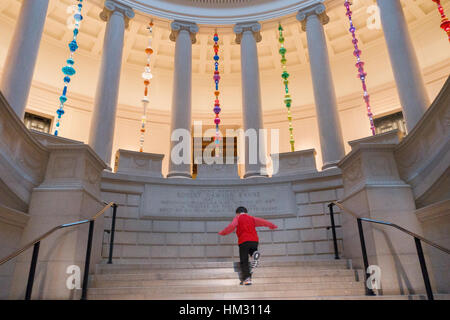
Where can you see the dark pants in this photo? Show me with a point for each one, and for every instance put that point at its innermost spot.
(246, 249)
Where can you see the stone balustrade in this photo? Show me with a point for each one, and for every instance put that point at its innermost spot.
(23, 159)
(423, 157)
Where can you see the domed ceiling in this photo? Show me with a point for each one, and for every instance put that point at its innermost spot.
(218, 12)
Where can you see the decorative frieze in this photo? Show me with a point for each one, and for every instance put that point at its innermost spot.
(292, 163)
(73, 166)
(138, 163)
(370, 164)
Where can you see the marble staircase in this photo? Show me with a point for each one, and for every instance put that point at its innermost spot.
(219, 280)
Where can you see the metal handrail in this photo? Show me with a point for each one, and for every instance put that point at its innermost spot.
(45, 235)
(36, 243)
(417, 239)
(415, 235)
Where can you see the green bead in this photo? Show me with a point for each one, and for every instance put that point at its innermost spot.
(280, 28)
(286, 82)
(283, 60)
(282, 50)
(281, 39)
(285, 75)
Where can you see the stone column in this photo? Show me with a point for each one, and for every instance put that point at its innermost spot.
(21, 59)
(410, 86)
(331, 142)
(247, 35)
(105, 107)
(183, 34)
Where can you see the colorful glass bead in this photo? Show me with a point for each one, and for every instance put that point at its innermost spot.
(285, 76)
(68, 70)
(359, 64)
(73, 46)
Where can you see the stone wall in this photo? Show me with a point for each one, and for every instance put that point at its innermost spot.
(12, 223)
(435, 220)
(192, 235)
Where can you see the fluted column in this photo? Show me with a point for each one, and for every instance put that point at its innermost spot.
(247, 35)
(331, 142)
(410, 86)
(22, 54)
(101, 135)
(183, 33)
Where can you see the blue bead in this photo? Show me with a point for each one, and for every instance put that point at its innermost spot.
(78, 17)
(68, 71)
(75, 31)
(57, 124)
(73, 46)
(63, 99)
(216, 57)
(70, 61)
(64, 90)
(56, 132)
(66, 79)
(59, 112)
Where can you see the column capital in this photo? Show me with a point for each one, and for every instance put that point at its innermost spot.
(254, 27)
(113, 7)
(317, 9)
(178, 26)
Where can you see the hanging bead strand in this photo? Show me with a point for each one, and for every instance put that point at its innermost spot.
(445, 23)
(360, 65)
(147, 76)
(216, 92)
(285, 76)
(69, 70)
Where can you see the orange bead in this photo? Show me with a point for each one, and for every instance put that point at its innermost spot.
(217, 93)
(146, 91)
(146, 82)
(148, 50)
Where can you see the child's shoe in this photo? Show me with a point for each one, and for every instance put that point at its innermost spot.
(248, 282)
(256, 256)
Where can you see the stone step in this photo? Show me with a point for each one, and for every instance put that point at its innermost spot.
(112, 283)
(242, 294)
(272, 271)
(324, 264)
(297, 273)
(219, 288)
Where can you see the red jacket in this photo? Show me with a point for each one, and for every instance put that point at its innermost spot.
(245, 227)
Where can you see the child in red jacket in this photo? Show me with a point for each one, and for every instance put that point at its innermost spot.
(247, 239)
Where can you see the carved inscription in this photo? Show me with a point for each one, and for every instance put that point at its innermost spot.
(209, 202)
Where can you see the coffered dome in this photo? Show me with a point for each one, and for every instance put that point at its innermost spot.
(217, 12)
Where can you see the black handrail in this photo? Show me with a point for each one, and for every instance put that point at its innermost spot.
(417, 240)
(36, 244)
(333, 230)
